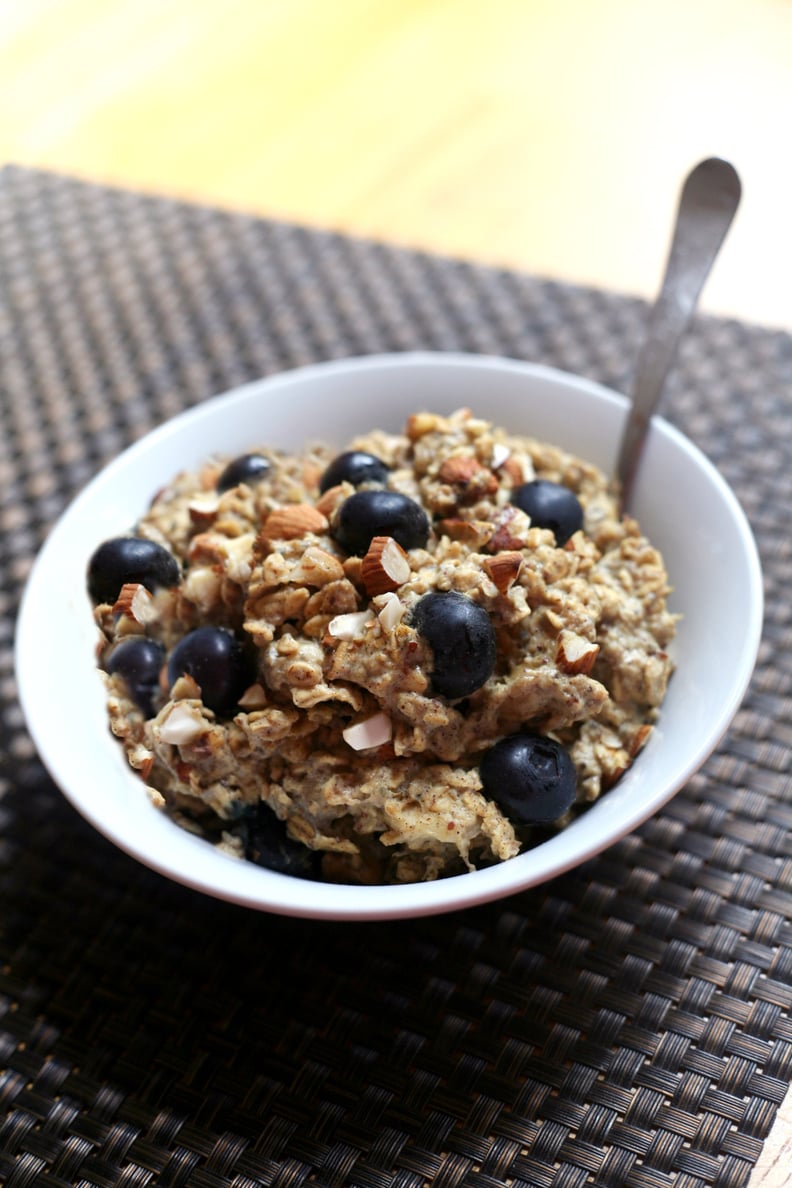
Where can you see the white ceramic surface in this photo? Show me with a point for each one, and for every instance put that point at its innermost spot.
(684, 505)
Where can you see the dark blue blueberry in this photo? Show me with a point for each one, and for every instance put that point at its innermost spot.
(217, 661)
(355, 467)
(550, 505)
(462, 639)
(129, 559)
(268, 844)
(367, 514)
(531, 777)
(248, 468)
(139, 661)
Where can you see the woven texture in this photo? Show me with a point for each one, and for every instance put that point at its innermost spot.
(626, 1024)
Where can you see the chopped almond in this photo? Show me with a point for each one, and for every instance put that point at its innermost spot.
(575, 654)
(294, 520)
(459, 468)
(374, 732)
(202, 508)
(385, 566)
(183, 725)
(350, 626)
(391, 612)
(503, 569)
(136, 603)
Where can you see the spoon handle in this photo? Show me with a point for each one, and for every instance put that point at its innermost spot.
(707, 204)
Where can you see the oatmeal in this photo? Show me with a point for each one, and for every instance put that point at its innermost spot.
(404, 661)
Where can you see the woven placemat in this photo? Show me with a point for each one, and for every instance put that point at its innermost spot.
(626, 1024)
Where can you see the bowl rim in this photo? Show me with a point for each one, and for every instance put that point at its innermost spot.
(294, 897)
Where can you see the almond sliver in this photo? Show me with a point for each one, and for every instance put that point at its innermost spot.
(372, 733)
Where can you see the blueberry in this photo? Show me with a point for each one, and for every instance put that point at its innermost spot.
(550, 505)
(367, 514)
(219, 664)
(355, 467)
(462, 639)
(531, 777)
(248, 468)
(138, 660)
(129, 559)
(268, 844)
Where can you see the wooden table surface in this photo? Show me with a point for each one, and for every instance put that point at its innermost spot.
(546, 135)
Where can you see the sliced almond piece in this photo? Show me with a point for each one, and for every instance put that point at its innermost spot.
(575, 654)
(385, 566)
(351, 626)
(639, 739)
(136, 603)
(141, 759)
(391, 612)
(329, 500)
(185, 687)
(294, 520)
(202, 508)
(503, 569)
(374, 732)
(254, 697)
(183, 725)
(500, 453)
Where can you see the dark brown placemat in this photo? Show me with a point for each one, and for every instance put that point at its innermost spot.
(626, 1024)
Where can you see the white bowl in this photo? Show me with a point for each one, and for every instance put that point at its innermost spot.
(683, 504)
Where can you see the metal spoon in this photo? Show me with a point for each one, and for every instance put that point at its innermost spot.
(707, 204)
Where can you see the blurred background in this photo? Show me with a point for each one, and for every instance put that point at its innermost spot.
(546, 135)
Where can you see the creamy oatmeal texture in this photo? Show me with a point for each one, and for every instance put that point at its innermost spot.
(336, 726)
